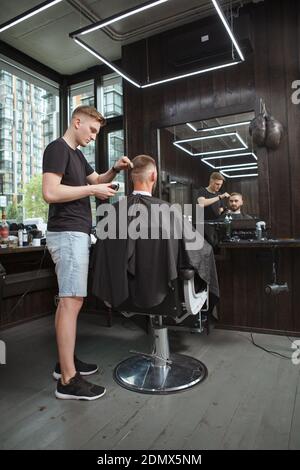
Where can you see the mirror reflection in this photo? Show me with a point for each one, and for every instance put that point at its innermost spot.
(211, 161)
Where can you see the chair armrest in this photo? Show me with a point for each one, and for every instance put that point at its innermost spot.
(193, 300)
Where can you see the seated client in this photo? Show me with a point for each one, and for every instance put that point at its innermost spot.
(122, 264)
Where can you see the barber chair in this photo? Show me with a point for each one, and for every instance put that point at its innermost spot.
(162, 372)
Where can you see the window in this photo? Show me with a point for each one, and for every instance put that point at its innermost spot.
(113, 96)
(6, 112)
(19, 84)
(25, 106)
(20, 104)
(5, 77)
(5, 155)
(6, 89)
(5, 133)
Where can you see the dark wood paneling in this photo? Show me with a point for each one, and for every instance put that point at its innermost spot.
(267, 74)
(291, 40)
(15, 308)
(276, 33)
(243, 275)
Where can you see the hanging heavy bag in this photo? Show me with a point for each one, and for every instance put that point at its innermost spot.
(258, 130)
(274, 133)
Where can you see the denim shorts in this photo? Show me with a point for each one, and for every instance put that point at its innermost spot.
(70, 254)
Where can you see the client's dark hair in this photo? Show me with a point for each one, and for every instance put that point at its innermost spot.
(142, 165)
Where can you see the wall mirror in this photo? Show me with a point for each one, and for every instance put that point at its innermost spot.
(189, 152)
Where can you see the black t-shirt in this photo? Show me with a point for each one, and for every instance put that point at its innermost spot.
(76, 216)
(211, 212)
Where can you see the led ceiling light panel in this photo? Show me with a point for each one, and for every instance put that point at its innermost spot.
(178, 143)
(228, 29)
(198, 72)
(27, 14)
(192, 127)
(246, 155)
(112, 66)
(216, 128)
(228, 173)
(132, 11)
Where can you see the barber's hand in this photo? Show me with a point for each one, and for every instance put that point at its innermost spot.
(103, 191)
(224, 195)
(123, 164)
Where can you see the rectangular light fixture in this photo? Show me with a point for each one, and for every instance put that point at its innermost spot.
(27, 14)
(198, 72)
(221, 167)
(215, 136)
(112, 19)
(192, 127)
(225, 126)
(238, 165)
(235, 155)
(124, 75)
(109, 64)
(178, 143)
(253, 167)
(228, 172)
(228, 29)
(132, 11)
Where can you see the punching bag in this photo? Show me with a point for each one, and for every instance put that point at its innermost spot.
(258, 130)
(274, 133)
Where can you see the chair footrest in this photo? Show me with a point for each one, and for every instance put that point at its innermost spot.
(142, 374)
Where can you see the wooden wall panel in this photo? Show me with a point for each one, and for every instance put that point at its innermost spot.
(35, 303)
(243, 275)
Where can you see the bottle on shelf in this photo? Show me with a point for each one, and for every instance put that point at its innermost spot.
(20, 237)
(4, 230)
(227, 222)
(25, 237)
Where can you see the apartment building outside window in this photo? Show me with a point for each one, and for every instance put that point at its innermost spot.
(26, 110)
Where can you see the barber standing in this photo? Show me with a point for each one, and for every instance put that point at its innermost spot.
(68, 181)
(211, 198)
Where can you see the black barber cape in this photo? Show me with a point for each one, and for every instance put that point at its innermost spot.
(143, 269)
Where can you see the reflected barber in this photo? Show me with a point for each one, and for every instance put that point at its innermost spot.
(211, 198)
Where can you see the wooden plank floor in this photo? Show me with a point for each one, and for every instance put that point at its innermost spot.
(250, 400)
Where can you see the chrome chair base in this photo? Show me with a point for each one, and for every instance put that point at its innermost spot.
(144, 374)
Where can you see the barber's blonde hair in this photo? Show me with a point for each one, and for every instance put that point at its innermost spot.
(216, 176)
(142, 166)
(91, 112)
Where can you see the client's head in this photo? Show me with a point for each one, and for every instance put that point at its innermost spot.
(236, 202)
(144, 173)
